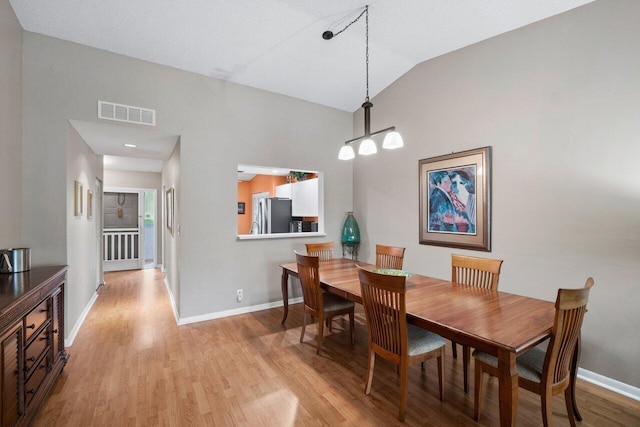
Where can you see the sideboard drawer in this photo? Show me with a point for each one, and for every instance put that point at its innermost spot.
(35, 350)
(35, 319)
(34, 383)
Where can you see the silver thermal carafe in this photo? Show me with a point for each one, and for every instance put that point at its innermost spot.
(15, 260)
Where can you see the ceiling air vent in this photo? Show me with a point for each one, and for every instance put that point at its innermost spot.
(126, 113)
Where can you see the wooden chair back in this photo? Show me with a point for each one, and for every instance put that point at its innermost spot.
(383, 298)
(480, 272)
(389, 257)
(310, 281)
(571, 305)
(322, 250)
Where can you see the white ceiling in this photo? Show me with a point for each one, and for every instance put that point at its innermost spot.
(276, 45)
(107, 139)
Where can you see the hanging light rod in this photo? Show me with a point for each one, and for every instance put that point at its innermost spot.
(367, 146)
(378, 132)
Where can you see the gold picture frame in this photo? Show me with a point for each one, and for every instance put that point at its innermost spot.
(455, 200)
(77, 205)
(89, 204)
(170, 194)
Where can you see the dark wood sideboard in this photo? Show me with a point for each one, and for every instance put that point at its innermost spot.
(31, 340)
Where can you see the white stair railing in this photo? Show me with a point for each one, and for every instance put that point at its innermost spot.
(120, 244)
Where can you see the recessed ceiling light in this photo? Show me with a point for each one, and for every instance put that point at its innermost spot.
(130, 145)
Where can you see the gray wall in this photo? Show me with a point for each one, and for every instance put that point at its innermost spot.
(10, 127)
(559, 103)
(220, 125)
(82, 165)
(171, 239)
(128, 202)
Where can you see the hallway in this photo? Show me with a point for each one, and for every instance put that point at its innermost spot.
(132, 365)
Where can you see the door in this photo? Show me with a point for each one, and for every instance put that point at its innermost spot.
(150, 229)
(123, 239)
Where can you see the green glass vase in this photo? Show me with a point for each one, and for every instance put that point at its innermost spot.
(350, 231)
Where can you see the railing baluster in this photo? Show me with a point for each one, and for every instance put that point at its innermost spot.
(120, 245)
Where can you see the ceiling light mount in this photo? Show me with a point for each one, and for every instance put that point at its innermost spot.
(367, 146)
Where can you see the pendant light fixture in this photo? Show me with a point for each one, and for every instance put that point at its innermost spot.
(367, 145)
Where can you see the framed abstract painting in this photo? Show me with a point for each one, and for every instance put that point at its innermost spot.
(455, 200)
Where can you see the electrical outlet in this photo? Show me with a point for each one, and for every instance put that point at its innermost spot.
(239, 295)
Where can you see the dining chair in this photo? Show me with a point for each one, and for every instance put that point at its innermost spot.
(479, 272)
(317, 303)
(390, 336)
(325, 252)
(545, 373)
(322, 250)
(389, 257)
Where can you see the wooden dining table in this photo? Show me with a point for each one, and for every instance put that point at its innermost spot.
(498, 323)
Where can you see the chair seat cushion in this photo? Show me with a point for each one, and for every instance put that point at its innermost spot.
(529, 364)
(334, 302)
(422, 341)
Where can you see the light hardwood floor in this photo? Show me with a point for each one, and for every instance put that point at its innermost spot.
(132, 365)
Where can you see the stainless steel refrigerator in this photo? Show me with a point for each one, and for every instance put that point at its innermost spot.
(274, 215)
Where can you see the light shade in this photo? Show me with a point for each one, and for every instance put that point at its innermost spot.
(346, 153)
(392, 140)
(367, 147)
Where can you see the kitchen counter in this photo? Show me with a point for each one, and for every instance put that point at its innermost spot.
(279, 235)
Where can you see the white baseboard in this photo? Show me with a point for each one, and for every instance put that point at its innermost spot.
(609, 384)
(172, 301)
(235, 311)
(68, 340)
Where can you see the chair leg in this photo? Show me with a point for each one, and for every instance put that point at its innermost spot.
(547, 410)
(304, 325)
(329, 323)
(320, 335)
(372, 362)
(478, 391)
(466, 357)
(454, 351)
(404, 383)
(352, 328)
(568, 399)
(440, 374)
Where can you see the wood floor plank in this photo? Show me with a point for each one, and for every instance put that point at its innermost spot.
(131, 365)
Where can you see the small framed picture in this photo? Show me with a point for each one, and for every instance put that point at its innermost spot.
(77, 205)
(240, 208)
(170, 199)
(89, 204)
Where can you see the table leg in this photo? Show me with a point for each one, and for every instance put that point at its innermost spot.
(508, 383)
(574, 372)
(285, 293)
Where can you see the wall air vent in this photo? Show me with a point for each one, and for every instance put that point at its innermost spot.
(126, 113)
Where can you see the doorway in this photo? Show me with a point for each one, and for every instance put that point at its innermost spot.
(150, 220)
(130, 226)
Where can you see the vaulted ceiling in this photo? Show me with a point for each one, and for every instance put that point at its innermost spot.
(276, 45)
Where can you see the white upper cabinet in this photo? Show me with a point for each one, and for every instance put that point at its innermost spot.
(283, 191)
(303, 195)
